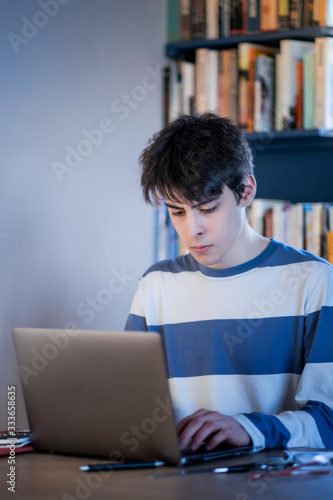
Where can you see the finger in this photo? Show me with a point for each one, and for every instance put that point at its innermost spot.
(197, 431)
(219, 437)
(184, 422)
(203, 434)
(191, 428)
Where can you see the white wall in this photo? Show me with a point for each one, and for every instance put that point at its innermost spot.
(63, 237)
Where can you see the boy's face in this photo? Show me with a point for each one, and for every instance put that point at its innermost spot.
(215, 233)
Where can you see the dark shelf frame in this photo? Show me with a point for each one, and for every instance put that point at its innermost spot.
(186, 50)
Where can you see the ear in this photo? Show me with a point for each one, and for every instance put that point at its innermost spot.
(249, 191)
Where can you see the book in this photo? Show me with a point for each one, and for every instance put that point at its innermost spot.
(247, 53)
(283, 14)
(296, 14)
(264, 85)
(269, 15)
(299, 99)
(228, 91)
(308, 13)
(236, 17)
(308, 91)
(201, 79)
(278, 117)
(185, 20)
(173, 21)
(297, 225)
(175, 91)
(253, 16)
(198, 19)
(291, 52)
(166, 94)
(188, 86)
(206, 80)
(323, 83)
(212, 76)
(212, 19)
(316, 13)
(325, 13)
(225, 18)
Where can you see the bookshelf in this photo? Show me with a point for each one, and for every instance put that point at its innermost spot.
(293, 165)
(302, 156)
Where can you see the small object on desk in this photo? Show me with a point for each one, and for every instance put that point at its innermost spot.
(318, 463)
(18, 438)
(121, 466)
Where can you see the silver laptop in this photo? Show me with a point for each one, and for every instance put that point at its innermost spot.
(102, 394)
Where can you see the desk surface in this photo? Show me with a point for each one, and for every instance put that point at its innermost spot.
(40, 476)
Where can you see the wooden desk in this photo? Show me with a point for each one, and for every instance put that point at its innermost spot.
(55, 477)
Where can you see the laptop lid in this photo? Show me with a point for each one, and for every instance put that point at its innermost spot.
(99, 393)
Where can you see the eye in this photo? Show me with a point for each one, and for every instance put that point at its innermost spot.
(178, 213)
(208, 210)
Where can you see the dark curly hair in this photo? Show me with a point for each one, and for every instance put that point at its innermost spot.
(193, 158)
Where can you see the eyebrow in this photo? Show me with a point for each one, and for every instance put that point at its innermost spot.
(196, 205)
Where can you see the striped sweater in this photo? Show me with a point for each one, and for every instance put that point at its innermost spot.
(254, 341)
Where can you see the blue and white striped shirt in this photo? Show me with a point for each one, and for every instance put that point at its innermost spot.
(254, 341)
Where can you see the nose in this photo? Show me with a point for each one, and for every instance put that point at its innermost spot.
(195, 226)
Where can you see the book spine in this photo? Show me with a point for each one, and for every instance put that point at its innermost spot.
(185, 20)
(253, 15)
(295, 14)
(173, 21)
(269, 15)
(299, 99)
(198, 19)
(212, 77)
(212, 19)
(283, 12)
(278, 114)
(201, 80)
(323, 83)
(225, 18)
(264, 93)
(166, 94)
(308, 92)
(236, 17)
(308, 13)
(188, 87)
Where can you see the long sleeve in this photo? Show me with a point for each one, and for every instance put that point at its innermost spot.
(312, 424)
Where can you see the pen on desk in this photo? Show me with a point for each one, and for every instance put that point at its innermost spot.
(120, 466)
(233, 468)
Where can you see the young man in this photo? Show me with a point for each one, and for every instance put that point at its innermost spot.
(246, 321)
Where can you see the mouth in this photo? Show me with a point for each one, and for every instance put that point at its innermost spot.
(201, 248)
